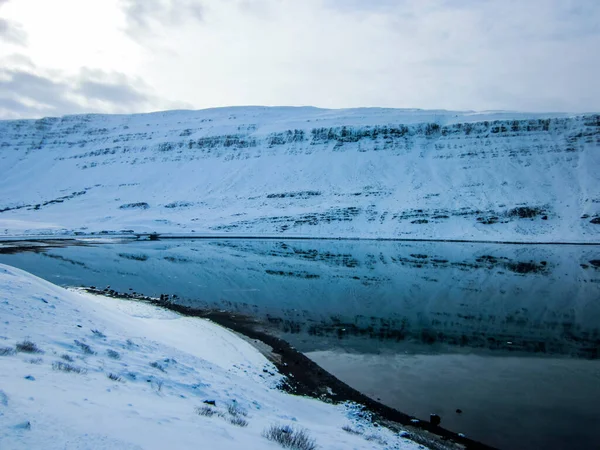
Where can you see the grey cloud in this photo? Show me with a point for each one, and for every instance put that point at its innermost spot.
(576, 19)
(361, 5)
(27, 94)
(143, 16)
(17, 60)
(139, 13)
(115, 88)
(33, 92)
(111, 92)
(11, 108)
(12, 32)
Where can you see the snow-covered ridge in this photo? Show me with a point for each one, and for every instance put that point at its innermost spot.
(369, 172)
(79, 371)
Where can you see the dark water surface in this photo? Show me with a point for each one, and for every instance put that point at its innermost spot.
(508, 334)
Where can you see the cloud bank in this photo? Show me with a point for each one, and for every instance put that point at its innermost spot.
(142, 55)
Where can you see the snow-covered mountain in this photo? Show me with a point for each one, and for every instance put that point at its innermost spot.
(377, 173)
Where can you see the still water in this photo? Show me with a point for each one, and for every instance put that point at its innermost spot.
(507, 334)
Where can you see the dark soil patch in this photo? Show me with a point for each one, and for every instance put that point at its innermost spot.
(526, 267)
(488, 220)
(525, 212)
(138, 205)
(140, 257)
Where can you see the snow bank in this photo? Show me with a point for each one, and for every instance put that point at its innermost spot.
(162, 367)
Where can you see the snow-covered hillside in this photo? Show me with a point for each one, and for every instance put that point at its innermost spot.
(377, 173)
(79, 371)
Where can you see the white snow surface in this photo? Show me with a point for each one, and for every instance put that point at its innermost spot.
(284, 171)
(150, 407)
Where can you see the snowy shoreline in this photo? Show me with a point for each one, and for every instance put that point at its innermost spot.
(107, 373)
(302, 376)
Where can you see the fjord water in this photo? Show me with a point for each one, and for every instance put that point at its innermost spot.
(507, 334)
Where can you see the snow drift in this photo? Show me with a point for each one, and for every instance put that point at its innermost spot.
(373, 173)
(79, 371)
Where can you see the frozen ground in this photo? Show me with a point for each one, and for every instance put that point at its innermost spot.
(112, 374)
(280, 171)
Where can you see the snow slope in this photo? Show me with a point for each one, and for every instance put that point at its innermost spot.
(166, 366)
(369, 172)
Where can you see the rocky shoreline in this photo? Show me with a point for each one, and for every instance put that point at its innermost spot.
(305, 377)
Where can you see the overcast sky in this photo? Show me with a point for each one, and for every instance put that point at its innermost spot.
(71, 56)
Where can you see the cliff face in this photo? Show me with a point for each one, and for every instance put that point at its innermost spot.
(376, 173)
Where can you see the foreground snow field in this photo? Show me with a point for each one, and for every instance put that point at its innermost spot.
(96, 372)
(282, 171)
